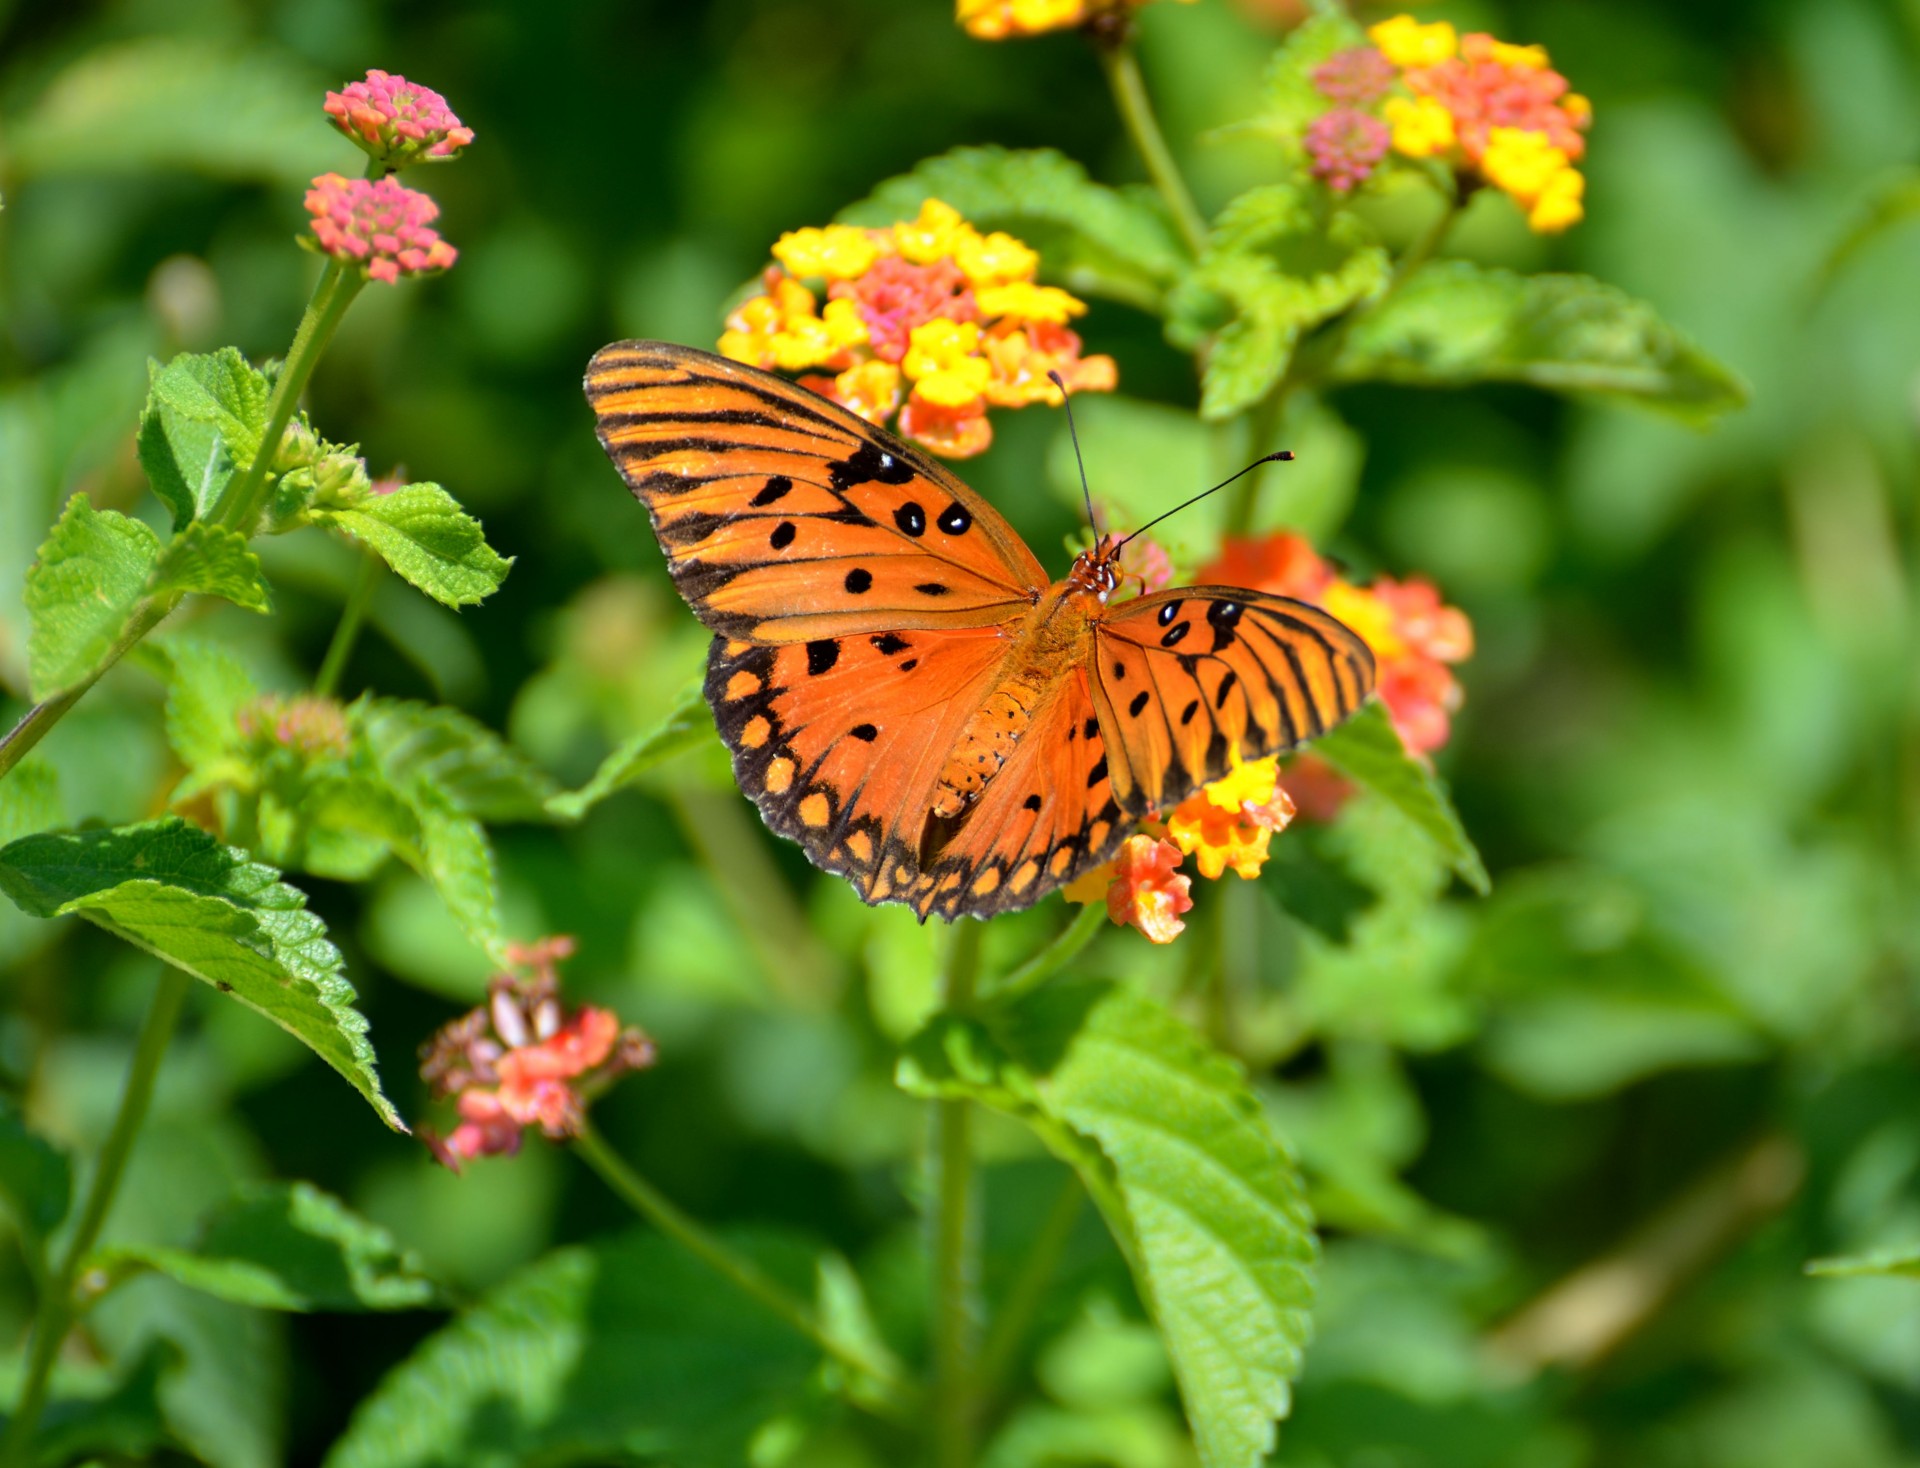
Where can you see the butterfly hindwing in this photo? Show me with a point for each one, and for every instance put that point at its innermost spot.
(786, 518)
(1183, 678)
(839, 741)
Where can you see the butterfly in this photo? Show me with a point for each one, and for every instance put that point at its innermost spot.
(905, 691)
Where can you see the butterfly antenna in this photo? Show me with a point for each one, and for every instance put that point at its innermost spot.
(1065, 402)
(1266, 459)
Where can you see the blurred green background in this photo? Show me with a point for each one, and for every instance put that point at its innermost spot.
(1678, 1041)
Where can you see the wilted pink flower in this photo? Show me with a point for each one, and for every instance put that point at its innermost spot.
(1358, 75)
(381, 224)
(1345, 144)
(397, 121)
(519, 1060)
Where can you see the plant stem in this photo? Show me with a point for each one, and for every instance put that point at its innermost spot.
(56, 1312)
(236, 510)
(1136, 111)
(956, 1241)
(743, 1274)
(352, 614)
(1064, 948)
(239, 503)
(1029, 1288)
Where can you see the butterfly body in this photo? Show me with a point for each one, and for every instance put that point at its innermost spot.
(904, 691)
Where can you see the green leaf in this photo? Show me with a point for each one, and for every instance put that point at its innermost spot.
(622, 1349)
(1095, 240)
(84, 585)
(284, 1246)
(189, 104)
(1891, 205)
(688, 725)
(479, 773)
(213, 561)
(1367, 749)
(205, 415)
(455, 855)
(36, 1178)
(1887, 1262)
(207, 686)
(169, 888)
(30, 800)
(1454, 323)
(424, 535)
(1202, 1199)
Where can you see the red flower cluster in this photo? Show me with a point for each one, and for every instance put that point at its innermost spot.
(521, 1060)
(397, 121)
(378, 223)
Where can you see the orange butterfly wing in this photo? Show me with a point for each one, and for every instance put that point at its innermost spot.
(785, 518)
(1182, 678)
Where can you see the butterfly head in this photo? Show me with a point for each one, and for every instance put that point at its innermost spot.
(1097, 571)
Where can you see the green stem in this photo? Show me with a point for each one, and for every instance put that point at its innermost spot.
(1064, 948)
(956, 1241)
(1029, 1289)
(35, 724)
(340, 282)
(743, 1274)
(1136, 111)
(55, 1316)
(352, 615)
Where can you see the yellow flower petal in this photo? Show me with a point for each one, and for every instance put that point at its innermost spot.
(1030, 302)
(1407, 43)
(1367, 615)
(1422, 127)
(1520, 162)
(932, 235)
(995, 258)
(1559, 206)
(838, 252)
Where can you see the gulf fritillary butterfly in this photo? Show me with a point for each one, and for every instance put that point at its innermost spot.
(905, 692)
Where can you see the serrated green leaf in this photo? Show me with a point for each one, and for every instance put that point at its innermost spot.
(206, 413)
(619, 1349)
(479, 773)
(287, 1246)
(169, 888)
(207, 686)
(1200, 1196)
(189, 104)
(30, 800)
(83, 586)
(455, 855)
(1094, 239)
(212, 561)
(1367, 749)
(1885, 1262)
(688, 725)
(424, 535)
(36, 1178)
(1454, 323)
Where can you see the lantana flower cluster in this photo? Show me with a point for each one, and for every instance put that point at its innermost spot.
(1229, 826)
(929, 318)
(380, 224)
(999, 20)
(307, 724)
(1496, 113)
(523, 1060)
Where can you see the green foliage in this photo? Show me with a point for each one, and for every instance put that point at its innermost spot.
(1095, 239)
(205, 416)
(36, 1180)
(1454, 323)
(1883, 1262)
(286, 1247)
(82, 591)
(1292, 100)
(1202, 1199)
(688, 725)
(1367, 749)
(171, 889)
(214, 562)
(622, 1348)
(422, 533)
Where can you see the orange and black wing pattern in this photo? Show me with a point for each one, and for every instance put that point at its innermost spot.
(787, 519)
(1183, 679)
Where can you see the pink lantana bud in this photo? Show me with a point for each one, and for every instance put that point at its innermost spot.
(397, 121)
(1357, 75)
(378, 224)
(1345, 146)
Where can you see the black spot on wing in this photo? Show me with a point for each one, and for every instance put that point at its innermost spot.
(822, 655)
(783, 535)
(777, 488)
(1139, 702)
(868, 464)
(866, 733)
(954, 519)
(1168, 612)
(889, 643)
(858, 580)
(932, 588)
(911, 519)
(1173, 635)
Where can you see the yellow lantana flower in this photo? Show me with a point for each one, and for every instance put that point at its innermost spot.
(1251, 783)
(1521, 162)
(994, 258)
(1559, 205)
(1407, 43)
(1367, 615)
(933, 235)
(1030, 302)
(1422, 127)
(838, 252)
(941, 363)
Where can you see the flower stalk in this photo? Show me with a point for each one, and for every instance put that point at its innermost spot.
(956, 1237)
(1122, 67)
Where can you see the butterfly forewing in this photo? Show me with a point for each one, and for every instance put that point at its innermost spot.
(1184, 678)
(786, 518)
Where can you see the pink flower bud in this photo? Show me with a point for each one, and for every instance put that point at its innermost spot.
(379, 224)
(1345, 144)
(397, 121)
